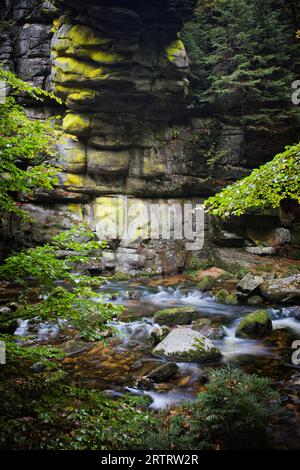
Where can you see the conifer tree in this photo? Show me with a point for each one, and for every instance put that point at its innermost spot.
(242, 54)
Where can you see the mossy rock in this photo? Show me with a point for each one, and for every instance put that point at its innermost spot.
(76, 124)
(231, 299)
(208, 328)
(176, 316)
(255, 300)
(257, 324)
(206, 283)
(186, 345)
(221, 296)
(9, 326)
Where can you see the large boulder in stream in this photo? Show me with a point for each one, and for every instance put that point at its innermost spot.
(176, 316)
(208, 329)
(186, 345)
(285, 290)
(163, 372)
(257, 324)
(248, 286)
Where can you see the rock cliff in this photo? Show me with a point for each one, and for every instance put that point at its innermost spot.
(123, 73)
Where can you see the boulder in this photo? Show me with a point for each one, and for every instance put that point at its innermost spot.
(208, 329)
(255, 325)
(163, 372)
(206, 283)
(221, 296)
(295, 311)
(74, 347)
(231, 299)
(261, 250)
(5, 313)
(285, 290)
(176, 316)
(186, 345)
(255, 300)
(248, 285)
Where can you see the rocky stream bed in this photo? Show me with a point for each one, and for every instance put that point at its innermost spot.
(137, 357)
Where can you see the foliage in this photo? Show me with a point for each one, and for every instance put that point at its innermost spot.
(26, 145)
(241, 56)
(233, 412)
(43, 266)
(267, 186)
(39, 414)
(16, 354)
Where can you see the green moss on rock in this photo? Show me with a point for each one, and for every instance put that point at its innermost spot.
(255, 325)
(176, 316)
(76, 124)
(206, 283)
(221, 296)
(231, 299)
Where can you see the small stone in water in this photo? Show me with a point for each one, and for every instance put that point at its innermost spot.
(144, 383)
(184, 381)
(137, 365)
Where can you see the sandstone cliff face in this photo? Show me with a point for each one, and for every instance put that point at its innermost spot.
(124, 75)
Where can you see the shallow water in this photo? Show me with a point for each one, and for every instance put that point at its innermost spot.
(128, 356)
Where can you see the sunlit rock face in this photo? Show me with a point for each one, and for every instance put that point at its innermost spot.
(123, 72)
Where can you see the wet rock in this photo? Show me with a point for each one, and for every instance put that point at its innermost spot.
(8, 326)
(261, 250)
(186, 345)
(132, 344)
(208, 329)
(13, 306)
(206, 283)
(113, 394)
(38, 367)
(231, 299)
(248, 285)
(176, 316)
(255, 300)
(285, 290)
(162, 388)
(257, 324)
(137, 365)
(164, 331)
(74, 347)
(144, 383)
(5, 313)
(203, 378)
(184, 381)
(295, 311)
(221, 296)
(156, 335)
(163, 372)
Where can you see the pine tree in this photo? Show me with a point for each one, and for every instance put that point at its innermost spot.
(241, 53)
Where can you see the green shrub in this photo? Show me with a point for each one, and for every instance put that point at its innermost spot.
(41, 414)
(266, 187)
(233, 413)
(75, 300)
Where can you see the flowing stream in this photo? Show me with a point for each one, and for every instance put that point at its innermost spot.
(116, 367)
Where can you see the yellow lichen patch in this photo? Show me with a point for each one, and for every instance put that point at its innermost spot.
(152, 166)
(174, 49)
(85, 36)
(74, 181)
(76, 124)
(103, 57)
(77, 182)
(74, 94)
(70, 66)
(75, 208)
